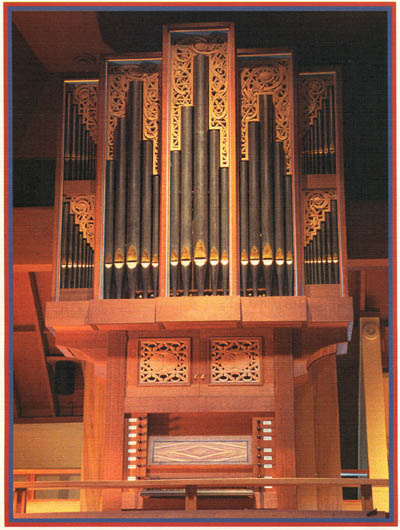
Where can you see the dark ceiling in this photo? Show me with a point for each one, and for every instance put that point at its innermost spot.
(354, 40)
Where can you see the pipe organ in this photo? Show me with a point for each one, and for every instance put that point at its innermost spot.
(202, 271)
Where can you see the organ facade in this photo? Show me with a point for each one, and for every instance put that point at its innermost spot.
(201, 273)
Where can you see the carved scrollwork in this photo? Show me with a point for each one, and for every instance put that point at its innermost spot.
(236, 360)
(164, 361)
(314, 90)
(85, 96)
(182, 55)
(83, 208)
(316, 205)
(269, 78)
(119, 79)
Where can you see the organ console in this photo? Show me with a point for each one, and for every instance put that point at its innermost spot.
(204, 268)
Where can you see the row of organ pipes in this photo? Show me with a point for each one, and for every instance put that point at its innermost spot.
(132, 208)
(266, 232)
(79, 147)
(321, 253)
(199, 203)
(77, 256)
(319, 151)
(199, 213)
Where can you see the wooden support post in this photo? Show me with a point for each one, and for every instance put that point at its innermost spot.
(114, 414)
(191, 498)
(93, 434)
(372, 380)
(284, 417)
(326, 427)
(366, 498)
(20, 500)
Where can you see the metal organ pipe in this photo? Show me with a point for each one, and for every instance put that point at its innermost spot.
(155, 232)
(134, 187)
(146, 215)
(200, 170)
(267, 189)
(120, 208)
(186, 196)
(244, 224)
(175, 224)
(214, 229)
(254, 203)
(279, 216)
(225, 229)
(109, 229)
(289, 234)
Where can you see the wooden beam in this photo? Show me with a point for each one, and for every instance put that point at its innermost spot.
(203, 483)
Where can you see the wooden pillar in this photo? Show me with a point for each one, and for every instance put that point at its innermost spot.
(93, 434)
(322, 369)
(114, 414)
(372, 380)
(284, 417)
(305, 442)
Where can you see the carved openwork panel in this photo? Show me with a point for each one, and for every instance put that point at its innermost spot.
(270, 78)
(83, 207)
(316, 205)
(118, 86)
(236, 360)
(164, 361)
(85, 97)
(182, 56)
(314, 89)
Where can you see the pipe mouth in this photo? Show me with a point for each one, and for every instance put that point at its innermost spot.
(200, 262)
(267, 262)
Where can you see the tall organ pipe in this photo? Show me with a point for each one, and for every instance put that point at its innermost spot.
(224, 176)
(254, 203)
(244, 224)
(200, 170)
(72, 175)
(186, 195)
(133, 187)
(214, 138)
(279, 216)
(329, 248)
(332, 140)
(64, 243)
(67, 134)
(267, 189)
(174, 226)
(335, 241)
(109, 229)
(323, 253)
(146, 215)
(155, 232)
(120, 208)
(75, 258)
(79, 148)
(70, 250)
(289, 233)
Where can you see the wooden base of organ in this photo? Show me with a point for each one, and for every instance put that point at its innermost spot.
(181, 380)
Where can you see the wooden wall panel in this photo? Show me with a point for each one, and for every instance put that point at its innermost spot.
(114, 413)
(326, 428)
(93, 436)
(284, 416)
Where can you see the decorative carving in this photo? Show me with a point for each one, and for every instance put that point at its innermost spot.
(85, 96)
(314, 91)
(181, 93)
(270, 78)
(199, 450)
(164, 361)
(236, 360)
(119, 79)
(83, 207)
(316, 204)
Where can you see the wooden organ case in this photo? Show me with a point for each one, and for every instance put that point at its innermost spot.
(200, 270)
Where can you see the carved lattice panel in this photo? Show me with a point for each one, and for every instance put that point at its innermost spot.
(164, 361)
(236, 360)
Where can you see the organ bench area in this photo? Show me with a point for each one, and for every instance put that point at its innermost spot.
(200, 272)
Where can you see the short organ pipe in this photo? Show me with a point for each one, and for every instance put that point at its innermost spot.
(244, 224)
(214, 225)
(279, 217)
